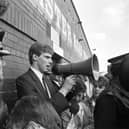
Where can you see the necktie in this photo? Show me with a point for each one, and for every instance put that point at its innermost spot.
(46, 88)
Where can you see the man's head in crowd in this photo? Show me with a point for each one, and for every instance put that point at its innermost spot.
(32, 109)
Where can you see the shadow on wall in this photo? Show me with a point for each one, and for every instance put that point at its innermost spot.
(8, 92)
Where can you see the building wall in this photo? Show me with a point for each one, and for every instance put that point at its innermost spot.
(29, 20)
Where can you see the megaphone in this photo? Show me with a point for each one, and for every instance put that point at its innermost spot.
(89, 67)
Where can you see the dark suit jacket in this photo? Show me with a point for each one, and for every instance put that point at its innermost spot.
(110, 113)
(29, 84)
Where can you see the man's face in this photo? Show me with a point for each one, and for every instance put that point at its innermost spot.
(44, 63)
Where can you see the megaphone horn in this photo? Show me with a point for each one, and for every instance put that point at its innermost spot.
(89, 67)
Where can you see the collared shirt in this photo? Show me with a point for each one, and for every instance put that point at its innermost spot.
(40, 76)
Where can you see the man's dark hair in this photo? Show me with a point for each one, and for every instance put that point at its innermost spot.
(38, 49)
(32, 108)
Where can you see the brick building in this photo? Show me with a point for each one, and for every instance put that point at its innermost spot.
(55, 22)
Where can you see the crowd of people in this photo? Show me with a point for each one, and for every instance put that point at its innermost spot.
(41, 99)
(45, 103)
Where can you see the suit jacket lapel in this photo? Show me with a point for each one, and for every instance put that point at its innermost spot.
(38, 84)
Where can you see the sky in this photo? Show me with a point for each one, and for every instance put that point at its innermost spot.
(106, 25)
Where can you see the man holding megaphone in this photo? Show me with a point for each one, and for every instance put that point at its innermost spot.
(35, 82)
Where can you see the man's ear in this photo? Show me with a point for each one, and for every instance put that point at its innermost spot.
(34, 57)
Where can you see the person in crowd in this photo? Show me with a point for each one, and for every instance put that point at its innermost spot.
(112, 106)
(81, 118)
(102, 83)
(30, 112)
(37, 82)
(74, 97)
